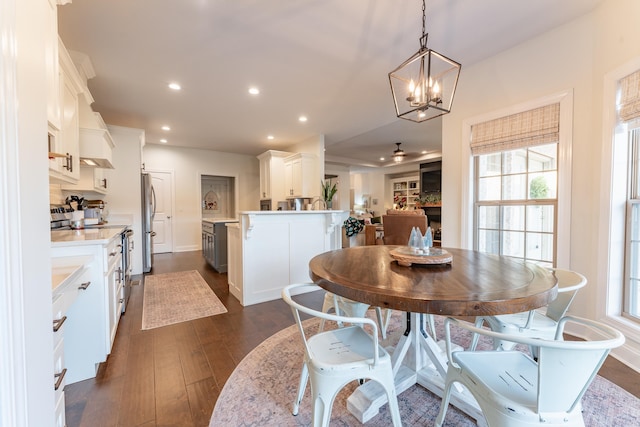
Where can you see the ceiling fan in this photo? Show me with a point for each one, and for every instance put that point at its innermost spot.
(398, 153)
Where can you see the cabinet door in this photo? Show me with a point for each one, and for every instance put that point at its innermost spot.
(265, 179)
(288, 179)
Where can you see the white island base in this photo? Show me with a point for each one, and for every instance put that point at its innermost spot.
(268, 250)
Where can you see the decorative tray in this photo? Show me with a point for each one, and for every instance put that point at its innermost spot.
(407, 256)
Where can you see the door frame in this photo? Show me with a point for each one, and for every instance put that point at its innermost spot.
(173, 201)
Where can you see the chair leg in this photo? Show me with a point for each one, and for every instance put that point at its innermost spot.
(446, 395)
(304, 377)
(383, 323)
(323, 394)
(390, 388)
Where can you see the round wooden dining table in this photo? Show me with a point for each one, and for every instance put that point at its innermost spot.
(472, 284)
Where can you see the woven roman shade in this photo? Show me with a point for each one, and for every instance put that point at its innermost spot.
(630, 97)
(525, 129)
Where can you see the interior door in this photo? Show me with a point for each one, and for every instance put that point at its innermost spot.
(162, 221)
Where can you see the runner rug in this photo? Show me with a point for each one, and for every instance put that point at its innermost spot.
(177, 297)
(261, 390)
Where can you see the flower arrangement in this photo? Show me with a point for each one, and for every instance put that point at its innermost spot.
(328, 190)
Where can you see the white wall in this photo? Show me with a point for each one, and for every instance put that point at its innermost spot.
(572, 57)
(188, 165)
(26, 337)
(125, 195)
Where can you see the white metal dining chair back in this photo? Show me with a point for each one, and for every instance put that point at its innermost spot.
(513, 390)
(537, 323)
(338, 356)
(344, 306)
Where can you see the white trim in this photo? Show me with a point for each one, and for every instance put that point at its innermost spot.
(612, 192)
(13, 377)
(563, 238)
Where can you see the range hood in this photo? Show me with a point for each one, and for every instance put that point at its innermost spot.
(96, 148)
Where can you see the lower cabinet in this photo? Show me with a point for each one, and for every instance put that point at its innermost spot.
(77, 279)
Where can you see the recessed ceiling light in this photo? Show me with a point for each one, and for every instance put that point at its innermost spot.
(254, 90)
(423, 152)
(270, 137)
(302, 118)
(164, 141)
(165, 127)
(175, 86)
(381, 158)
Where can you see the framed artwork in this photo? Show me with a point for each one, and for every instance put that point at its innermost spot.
(211, 203)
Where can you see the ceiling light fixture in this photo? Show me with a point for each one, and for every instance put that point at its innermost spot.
(164, 141)
(166, 128)
(270, 137)
(174, 86)
(254, 90)
(302, 119)
(423, 86)
(398, 153)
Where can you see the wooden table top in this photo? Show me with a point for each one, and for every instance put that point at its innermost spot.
(475, 284)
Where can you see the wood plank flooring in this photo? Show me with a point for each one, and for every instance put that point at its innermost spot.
(172, 376)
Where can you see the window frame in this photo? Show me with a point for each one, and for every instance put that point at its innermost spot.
(563, 214)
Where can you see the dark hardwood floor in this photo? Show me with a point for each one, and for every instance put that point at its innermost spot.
(172, 376)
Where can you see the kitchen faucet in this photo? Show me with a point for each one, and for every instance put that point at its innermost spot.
(319, 200)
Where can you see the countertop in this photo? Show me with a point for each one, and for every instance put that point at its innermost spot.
(216, 220)
(302, 212)
(87, 236)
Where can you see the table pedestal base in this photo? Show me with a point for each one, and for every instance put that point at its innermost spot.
(417, 359)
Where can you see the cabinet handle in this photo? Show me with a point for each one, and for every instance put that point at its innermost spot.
(104, 183)
(59, 378)
(121, 300)
(57, 323)
(114, 253)
(84, 286)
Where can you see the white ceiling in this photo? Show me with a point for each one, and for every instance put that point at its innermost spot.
(327, 59)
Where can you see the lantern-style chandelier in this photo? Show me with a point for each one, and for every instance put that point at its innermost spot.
(423, 86)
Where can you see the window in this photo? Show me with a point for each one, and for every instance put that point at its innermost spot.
(632, 265)
(516, 185)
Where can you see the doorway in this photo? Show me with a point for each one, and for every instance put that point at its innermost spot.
(217, 196)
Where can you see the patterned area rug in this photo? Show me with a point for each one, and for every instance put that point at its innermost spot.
(177, 297)
(261, 390)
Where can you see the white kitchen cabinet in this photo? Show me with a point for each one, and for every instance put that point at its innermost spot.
(70, 279)
(52, 66)
(301, 178)
(64, 146)
(93, 319)
(272, 176)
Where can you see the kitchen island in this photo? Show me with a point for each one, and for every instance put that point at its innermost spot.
(268, 250)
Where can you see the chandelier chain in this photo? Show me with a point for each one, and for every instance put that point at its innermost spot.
(424, 18)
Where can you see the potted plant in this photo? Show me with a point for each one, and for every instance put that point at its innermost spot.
(428, 200)
(328, 191)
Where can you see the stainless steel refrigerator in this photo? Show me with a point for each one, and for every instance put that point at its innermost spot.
(148, 211)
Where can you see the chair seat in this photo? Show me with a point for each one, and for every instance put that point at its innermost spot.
(519, 321)
(343, 347)
(505, 373)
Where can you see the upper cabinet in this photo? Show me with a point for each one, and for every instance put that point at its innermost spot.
(52, 68)
(272, 183)
(64, 147)
(301, 179)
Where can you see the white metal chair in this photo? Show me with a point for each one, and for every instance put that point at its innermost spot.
(336, 357)
(536, 323)
(513, 390)
(344, 306)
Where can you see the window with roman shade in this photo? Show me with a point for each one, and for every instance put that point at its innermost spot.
(630, 97)
(516, 184)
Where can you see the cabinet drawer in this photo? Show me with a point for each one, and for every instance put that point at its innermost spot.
(60, 417)
(114, 253)
(207, 227)
(59, 370)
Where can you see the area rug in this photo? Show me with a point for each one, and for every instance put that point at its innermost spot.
(177, 297)
(261, 390)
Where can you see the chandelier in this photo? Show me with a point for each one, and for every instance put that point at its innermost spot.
(423, 86)
(398, 153)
